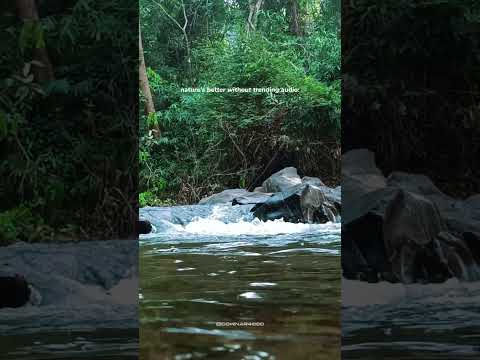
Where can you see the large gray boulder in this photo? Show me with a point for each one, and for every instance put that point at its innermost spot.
(284, 179)
(332, 195)
(404, 228)
(460, 215)
(360, 175)
(315, 181)
(224, 197)
(401, 236)
(281, 180)
(283, 195)
(251, 198)
(315, 206)
(299, 203)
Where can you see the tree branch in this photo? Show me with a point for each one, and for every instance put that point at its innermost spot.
(184, 16)
(168, 15)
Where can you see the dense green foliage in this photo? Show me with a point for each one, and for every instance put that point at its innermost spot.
(213, 140)
(68, 144)
(411, 90)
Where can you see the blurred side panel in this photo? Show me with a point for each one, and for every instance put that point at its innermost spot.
(410, 179)
(68, 179)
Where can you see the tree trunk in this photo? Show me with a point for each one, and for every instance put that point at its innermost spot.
(145, 87)
(42, 67)
(187, 47)
(294, 19)
(187, 41)
(184, 32)
(254, 8)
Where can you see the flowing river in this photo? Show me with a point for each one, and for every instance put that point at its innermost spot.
(413, 322)
(218, 284)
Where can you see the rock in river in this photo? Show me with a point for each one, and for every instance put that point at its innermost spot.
(282, 180)
(300, 203)
(223, 197)
(284, 195)
(404, 228)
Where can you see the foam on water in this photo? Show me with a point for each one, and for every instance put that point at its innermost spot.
(220, 223)
(209, 226)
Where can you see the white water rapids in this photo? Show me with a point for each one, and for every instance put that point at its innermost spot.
(220, 222)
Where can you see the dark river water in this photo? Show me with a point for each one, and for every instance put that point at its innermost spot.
(87, 344)
(225, 286)
(87, 306)
(414, 322)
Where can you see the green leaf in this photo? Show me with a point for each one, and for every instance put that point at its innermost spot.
(31, 36)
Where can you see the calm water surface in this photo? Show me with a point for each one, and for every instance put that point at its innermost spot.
(76, 344)
(393, 321)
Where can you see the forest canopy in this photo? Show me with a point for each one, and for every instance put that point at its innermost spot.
(193, 143)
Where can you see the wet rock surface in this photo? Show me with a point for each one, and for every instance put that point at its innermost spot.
(75, 273)
(223, 197)
(251, 198)
(285, 195)
(144, 227)
(403, 228)
(281, 180)
(301, 203)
